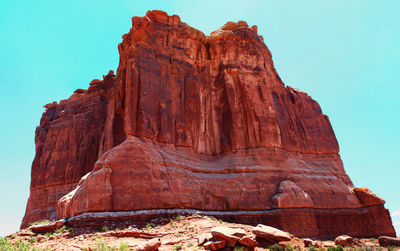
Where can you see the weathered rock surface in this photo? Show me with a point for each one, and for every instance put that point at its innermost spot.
(270, 233)
(205, 237)
(290, 196)
(214, 245)
(150, 245)
(388, 241)
(248, 241)
(100, 195)
(132, 233)
(328, 244)
(197, 122)
(68, 141)
(230, 235)
(47, 228)
(367, 197)
(345, 241)
(308, 243)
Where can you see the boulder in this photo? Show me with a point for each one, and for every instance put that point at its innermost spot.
(270, 233)
(248, 241)
(150, 245)
(328, 244)
(308, 242)
(387, 241)
(204, 238)
(47, 228)
(346, 241)
(230, 235)
(214, 245)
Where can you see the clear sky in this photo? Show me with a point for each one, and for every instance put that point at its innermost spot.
(345, 54)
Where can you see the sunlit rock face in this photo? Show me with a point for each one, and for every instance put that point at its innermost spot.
(198, 122)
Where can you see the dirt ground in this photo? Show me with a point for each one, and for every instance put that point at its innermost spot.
(181, 233)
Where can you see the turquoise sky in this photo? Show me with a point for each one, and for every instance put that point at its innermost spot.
(343, 53)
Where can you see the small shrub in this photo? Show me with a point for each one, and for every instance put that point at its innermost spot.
(238, 249)
(178, 218)
(172, 222)
(82, 222)
(178, 235)
(42, 222)
(177, 247)
(5, 244)
(104, 229)
(312, 248)
(21, 245)
(61, 230)
(276, 247)
(336, 248)
(32, 240)
(123, 246)
(101, 245)
(289, 248)
(149, 226)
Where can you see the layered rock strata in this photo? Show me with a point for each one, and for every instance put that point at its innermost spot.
(197, 122)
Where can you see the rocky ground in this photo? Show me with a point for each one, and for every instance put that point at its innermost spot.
(181, 233)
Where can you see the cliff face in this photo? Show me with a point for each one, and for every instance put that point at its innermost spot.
(68, 142)
(198, 122)
(213, 94)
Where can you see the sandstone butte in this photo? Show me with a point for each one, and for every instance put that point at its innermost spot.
(198, 122)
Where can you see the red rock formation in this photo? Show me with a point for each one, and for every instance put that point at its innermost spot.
(199, 122)
(68, 143)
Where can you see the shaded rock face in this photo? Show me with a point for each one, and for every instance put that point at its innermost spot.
(291, 195)
(191, 121)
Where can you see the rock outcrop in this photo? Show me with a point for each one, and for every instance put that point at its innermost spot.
(271, 234)
(230, 235)
(290, 196)
(386, 241)
(197, 122)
